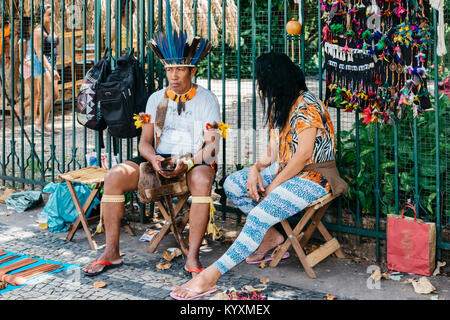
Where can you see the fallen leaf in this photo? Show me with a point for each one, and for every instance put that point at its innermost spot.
(311, 249)
(385, 275)
(264, 280)
(423, 286)
(220, 296)
(330, 297)
(6, 194)
(262, 265)
(376, 275)
(438, 267)
(99, 284)
(228, 240)
(253, 289)
(171, 253)
(163, 266)
(3, 285)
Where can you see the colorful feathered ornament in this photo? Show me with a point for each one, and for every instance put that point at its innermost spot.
(176, 48)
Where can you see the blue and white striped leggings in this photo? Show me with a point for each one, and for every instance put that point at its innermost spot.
(283, 202)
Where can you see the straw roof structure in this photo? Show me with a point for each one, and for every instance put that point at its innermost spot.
(188, 15)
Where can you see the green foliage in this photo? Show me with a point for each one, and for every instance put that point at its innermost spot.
(362, 185)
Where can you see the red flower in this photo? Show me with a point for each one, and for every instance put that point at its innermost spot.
(368, 114)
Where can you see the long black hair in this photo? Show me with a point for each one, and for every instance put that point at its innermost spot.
(280, 81)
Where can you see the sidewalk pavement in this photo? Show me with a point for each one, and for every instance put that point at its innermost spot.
(139, 279)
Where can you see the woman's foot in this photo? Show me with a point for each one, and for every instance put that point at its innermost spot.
(204, 282)
(271, 240)
(112, 258)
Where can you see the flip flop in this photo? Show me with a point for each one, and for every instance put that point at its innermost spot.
(190, 270)
(268, 257)
(198, 294)
(107, 265)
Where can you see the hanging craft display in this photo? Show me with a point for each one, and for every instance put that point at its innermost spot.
(376, 56)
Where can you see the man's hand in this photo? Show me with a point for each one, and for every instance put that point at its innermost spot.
(179, 169)
(156, 162)
(254, 183)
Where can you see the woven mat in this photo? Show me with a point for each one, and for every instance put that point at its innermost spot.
(66, 266)
(87, 175)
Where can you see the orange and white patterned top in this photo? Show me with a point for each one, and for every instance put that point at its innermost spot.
(307, 112)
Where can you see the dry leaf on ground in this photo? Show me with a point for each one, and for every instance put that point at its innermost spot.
(220, 296)
(330, 297)
(163, 266)
(262, 265)
(6, 194)
(264, 280)
(171, 253)
(257, 289)
(438, 268)
(228, 240)
(385, 275)
(99, 284)
(423, 286)
(376, 275)
(311, 249)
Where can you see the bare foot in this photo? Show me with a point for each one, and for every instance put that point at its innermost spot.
(271, 240)
(204, 282)
(49, 130)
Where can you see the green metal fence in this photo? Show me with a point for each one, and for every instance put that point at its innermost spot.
(384, 165)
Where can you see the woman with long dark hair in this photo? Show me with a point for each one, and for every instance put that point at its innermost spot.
(281, 183)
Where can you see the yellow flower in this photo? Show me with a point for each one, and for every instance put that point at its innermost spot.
(223, 128)
(137, 121)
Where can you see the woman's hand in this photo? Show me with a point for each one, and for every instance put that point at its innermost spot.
(254, 183)
(269, 189)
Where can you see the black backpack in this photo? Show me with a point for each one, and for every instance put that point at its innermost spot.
(87, 109)
(122, 95)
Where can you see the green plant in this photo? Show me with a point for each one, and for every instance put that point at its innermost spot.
(362, 183)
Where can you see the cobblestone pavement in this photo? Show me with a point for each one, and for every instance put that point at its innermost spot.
(137, 279)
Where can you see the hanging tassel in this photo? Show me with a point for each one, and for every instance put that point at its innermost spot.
(441, 49)
(211, 228)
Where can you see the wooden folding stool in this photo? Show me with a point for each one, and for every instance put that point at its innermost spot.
(298, 238)
(172, 223)
(90, 175)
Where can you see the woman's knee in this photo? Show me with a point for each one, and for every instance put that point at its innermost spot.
(235, 184)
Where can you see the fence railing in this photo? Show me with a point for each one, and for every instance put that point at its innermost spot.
(385, 165)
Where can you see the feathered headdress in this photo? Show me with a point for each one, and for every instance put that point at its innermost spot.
(177, 49)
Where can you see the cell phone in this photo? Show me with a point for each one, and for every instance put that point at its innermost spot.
(168, 169)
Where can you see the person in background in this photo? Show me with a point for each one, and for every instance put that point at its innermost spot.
(43, 67)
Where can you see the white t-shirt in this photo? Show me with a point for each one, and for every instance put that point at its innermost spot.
(184, 133)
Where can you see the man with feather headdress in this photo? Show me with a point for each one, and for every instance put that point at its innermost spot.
(190, 112)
